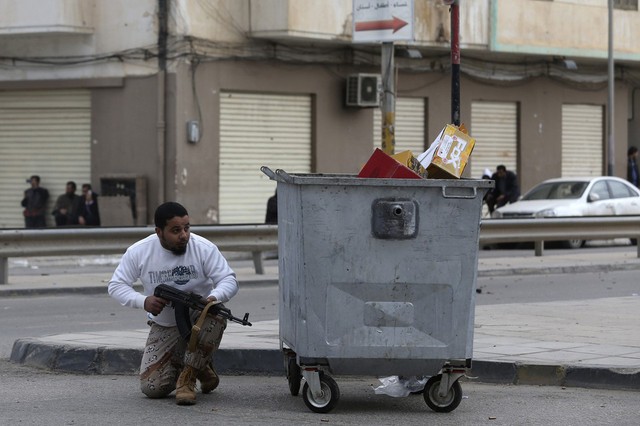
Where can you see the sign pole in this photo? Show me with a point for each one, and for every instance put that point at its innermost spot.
(388, 107)
(455, 63)
(611, 160)
(384, 22)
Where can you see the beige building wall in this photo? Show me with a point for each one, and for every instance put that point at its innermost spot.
(139, 121)
(563, 27)
(125, 132)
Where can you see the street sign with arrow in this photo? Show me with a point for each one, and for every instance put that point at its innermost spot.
(382, 20)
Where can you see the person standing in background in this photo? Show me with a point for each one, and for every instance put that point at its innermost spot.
(35, 203)
(272, 210)
(632, 166)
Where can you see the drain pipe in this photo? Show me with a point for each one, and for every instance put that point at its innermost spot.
(161, 123)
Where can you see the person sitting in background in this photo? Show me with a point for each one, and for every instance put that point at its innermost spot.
(66, 207)
(88, 213)
(506, 189)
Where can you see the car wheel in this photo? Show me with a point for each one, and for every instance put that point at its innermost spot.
(574, 244)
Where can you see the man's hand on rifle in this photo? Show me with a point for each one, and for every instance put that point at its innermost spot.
(155, 305)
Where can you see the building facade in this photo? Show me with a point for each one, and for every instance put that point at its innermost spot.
(158, 100)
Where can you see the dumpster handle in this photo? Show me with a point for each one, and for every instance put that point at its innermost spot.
(445, 195)
(284, 176)
(267, 171)
(272, 175)
(279, 175)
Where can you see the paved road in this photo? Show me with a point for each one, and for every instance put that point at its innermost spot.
(33, 397)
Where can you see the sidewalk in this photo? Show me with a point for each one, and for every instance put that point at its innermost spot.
(590, 343)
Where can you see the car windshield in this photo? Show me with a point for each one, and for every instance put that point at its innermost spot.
(556, 191)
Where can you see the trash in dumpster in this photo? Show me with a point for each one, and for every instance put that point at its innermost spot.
(406, 158)
(399, 387)
(449, 154)
(382, 165)
(446, 158)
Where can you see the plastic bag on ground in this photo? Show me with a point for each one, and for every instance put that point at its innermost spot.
(398, 386)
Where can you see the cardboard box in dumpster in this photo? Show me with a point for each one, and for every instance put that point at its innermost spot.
(382, 165)
(449, 154)
(407, 159)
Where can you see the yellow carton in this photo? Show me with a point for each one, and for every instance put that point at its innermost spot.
(450, 154)
(406, 158)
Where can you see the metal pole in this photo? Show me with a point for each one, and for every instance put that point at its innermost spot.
(455, 63)
(161, 113)
(610, 101)
(388, 99)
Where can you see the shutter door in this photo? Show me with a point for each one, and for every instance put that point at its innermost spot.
(410, 126)
(45, 133)
(259, 130)
(582, 140)
(494, 125)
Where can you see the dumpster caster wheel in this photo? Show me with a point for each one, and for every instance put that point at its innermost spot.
(329, 398)
(294, 377)
(440, 404)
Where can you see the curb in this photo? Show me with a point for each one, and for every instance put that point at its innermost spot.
(559, 270)
(555, 375)
(121, 361)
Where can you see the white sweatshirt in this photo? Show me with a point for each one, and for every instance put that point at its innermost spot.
(201, 269)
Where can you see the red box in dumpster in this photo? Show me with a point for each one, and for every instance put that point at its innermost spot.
(381, 165)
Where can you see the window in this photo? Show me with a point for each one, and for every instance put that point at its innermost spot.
(625, 4)
(600, 189)
(620, 190)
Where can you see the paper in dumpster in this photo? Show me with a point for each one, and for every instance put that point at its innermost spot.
(449, 154)
(382, 165)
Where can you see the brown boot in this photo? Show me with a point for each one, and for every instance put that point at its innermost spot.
(209, 379)
(186, 387)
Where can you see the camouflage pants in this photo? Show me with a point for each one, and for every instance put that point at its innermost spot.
(166, 353)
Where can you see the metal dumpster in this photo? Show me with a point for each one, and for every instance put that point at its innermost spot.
(377, 277)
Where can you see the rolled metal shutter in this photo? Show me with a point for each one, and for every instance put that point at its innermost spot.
(582, 140)
(46, 133)
(259, 130)
(410, 126)
(494, 125)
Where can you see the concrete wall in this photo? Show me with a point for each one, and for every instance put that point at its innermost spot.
(125, 132)
(563, 27)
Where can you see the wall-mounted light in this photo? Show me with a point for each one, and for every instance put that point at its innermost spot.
(193, 131)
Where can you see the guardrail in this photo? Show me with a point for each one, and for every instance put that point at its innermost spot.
(80, 241)
(259, 238)
(559, 229)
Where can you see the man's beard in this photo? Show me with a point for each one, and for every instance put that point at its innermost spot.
(178, 251)
(175, 249)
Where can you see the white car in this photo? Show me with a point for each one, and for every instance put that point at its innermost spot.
(563, 197)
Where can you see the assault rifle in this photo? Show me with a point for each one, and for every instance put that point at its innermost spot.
(182, 301)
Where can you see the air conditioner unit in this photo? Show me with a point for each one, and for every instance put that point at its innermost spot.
(363, 90)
